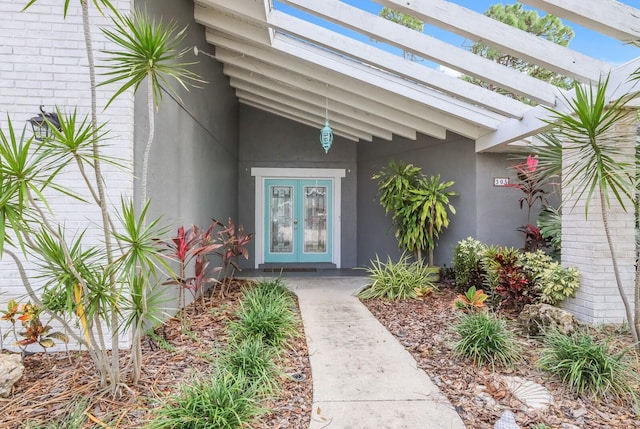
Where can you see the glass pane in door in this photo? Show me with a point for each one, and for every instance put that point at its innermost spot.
(281, 219)
(315, 219)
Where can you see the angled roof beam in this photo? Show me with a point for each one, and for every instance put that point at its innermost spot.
(219, 23)
(332, 89)
(253, 11)
(337, 73)
(533, 121)
(430, 48)
(376, 57)
(275, 97)
(209, 16)
(295, 118)
(428, 98)
(475, 26)
(318, 120)
(609, 17)
(243, 79)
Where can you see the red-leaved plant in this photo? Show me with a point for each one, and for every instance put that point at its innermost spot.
(233, 244)
(191, 246)
(533, 190)
(533, 239)
(513, 286)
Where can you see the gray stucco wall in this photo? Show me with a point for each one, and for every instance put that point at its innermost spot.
(267, 140)
(487, 213)
(498, 214)
(453, 160)
(193, 167)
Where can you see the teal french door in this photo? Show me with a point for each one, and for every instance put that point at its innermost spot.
(298, 220)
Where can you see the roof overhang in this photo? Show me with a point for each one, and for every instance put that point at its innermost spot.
(294, 68)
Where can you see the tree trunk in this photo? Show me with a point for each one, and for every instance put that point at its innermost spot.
(104, 211)
(627, 307)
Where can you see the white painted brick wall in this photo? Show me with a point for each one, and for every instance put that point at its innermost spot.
(584, 245)
(43, 62)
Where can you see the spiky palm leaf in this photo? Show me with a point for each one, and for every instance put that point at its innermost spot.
(147, 49)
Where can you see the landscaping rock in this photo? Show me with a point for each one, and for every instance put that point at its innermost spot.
(537, 318)
(11, 370)
(483, 399)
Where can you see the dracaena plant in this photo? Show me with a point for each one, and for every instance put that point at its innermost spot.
(233, 243)
(147, 50)
(532, 186)
(95, 289)
(191, 247)
(420, 206)
(596, 166)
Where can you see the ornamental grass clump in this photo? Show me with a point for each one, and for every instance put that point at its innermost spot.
(254, 361)
(268, 291)
(589, 367)
(265, 315)
(224, 401)
(398, 280)
(485, 339)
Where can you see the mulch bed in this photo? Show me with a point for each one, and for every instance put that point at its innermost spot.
(54, 382)
(478, 394)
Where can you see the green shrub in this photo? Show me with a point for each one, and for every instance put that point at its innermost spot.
(534, 264)
(550, 224)
(398, 280)
(554, 282)
(485, 339)
(222, 402)
(467, 257)
(559, 283)
(587, 366)
(254, 361)
(264, 318)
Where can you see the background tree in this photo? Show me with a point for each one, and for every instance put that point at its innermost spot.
(406, 21)
(548, 27)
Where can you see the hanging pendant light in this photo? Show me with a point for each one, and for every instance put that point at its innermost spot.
(326, 133)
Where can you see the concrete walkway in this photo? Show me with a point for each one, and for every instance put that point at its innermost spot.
(362, 377)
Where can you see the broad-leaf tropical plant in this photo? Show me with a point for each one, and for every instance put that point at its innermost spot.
(419, 205)
(595, 165)
(430, 201)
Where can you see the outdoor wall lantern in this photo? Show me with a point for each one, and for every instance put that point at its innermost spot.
(326, 133)
(41, 124)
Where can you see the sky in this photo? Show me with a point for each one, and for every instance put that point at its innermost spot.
(585, 41)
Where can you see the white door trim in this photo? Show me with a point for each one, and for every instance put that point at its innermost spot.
(334, 174)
